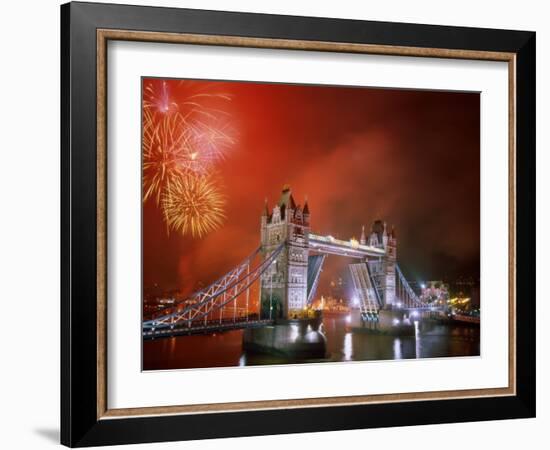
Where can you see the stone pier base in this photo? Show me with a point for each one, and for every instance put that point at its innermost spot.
(393, 322)
(290, 338)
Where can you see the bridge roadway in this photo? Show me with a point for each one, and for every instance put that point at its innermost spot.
(351, 248)
(211, 326)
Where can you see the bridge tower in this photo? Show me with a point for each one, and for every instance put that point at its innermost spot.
(384, 268)
(390, 261)
(283, 289)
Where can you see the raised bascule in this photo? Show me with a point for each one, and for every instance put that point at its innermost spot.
(291, 258)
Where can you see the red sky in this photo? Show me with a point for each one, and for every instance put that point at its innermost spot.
(410, 158)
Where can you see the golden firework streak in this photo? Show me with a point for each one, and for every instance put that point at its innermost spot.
(164, 143)
(193, 204)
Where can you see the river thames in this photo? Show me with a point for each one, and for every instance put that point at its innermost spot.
(225, 349)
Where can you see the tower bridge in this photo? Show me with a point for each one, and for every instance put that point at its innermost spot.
(291, 260)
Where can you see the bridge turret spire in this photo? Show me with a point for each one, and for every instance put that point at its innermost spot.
(363, 239)
(287, 203)
(306, 213)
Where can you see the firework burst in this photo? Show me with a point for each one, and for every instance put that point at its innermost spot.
(190, 101)
(209, 143)
(179, 138)
(157, 98)
(165, 141)
(184, 137)
(174, 147)
(193, 205)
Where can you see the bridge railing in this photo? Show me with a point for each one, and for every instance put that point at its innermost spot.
(231, 287)
(409, 297)
(217, 286)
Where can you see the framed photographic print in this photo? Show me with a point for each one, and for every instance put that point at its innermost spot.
(276, 224)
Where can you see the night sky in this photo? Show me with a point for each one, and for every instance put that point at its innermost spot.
(410, 158)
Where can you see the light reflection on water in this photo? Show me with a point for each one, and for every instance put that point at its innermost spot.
(225, 349)
(397, 349)
(348, 347)
(417, 339)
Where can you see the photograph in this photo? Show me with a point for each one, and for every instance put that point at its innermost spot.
(296, 223)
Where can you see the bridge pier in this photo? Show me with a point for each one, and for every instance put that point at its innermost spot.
(392, 321)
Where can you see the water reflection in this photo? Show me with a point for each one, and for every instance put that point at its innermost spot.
(430, 340)
(417, 339)
(397, 349)
(348, 347)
